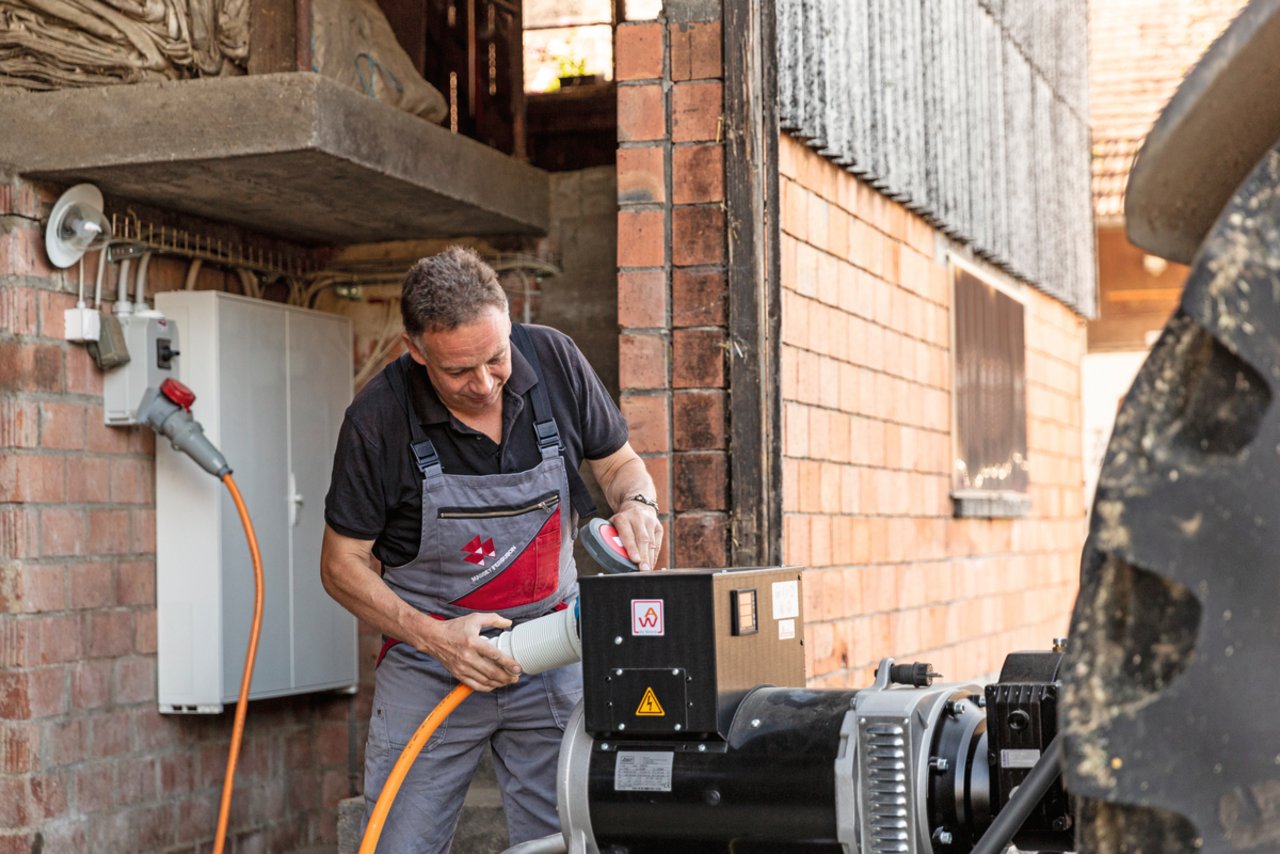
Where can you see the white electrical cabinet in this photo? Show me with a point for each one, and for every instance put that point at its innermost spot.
(271, 384)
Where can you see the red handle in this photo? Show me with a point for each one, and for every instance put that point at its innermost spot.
(178, 393)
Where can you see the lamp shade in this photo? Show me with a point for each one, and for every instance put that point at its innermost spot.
(76, 225)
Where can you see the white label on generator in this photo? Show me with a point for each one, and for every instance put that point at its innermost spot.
(786, 599)
(643, 771)
(786, 629)
(647, 617)
(1019, 758)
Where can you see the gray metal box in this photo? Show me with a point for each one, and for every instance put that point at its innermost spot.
(272, 383)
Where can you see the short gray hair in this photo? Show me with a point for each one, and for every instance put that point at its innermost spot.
(447, 290)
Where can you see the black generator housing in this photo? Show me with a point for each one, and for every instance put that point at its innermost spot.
(673, 653)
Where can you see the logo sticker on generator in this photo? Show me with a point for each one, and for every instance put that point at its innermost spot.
(646, 617)
(649, 706)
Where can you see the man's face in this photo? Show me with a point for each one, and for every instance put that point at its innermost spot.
(469, 364)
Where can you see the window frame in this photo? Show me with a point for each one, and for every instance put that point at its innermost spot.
(970, 502)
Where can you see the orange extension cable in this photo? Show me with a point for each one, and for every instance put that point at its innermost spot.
(242, 704)
(411, 750)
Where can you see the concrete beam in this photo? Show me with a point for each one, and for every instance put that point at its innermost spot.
(295, 155)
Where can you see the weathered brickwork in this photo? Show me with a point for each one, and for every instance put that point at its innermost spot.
(87, 763)
(867, 435)
(671, 276)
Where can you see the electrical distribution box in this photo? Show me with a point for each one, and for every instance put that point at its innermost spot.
(667, 653)
(272, 383)
(152, 342)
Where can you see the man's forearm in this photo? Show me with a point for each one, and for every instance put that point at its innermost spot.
(354, 585)
(630, 478)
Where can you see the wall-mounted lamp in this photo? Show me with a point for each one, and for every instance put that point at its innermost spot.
(76, 225)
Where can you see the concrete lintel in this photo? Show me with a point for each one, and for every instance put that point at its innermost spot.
(294, 155)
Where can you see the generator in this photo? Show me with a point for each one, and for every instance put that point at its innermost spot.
(694, 734)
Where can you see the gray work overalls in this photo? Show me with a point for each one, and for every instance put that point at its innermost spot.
(499, 543)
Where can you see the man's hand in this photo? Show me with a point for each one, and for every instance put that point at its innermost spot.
(640, 531)
(474, 660)
(621, 475)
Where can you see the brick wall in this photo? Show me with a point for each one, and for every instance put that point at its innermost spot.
(86, 761)
(672, 292)
(866, 390)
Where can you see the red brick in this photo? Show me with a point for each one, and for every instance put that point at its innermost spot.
(642, 361)
(641, 239)
(698, 298)
(83, 376)
(15, 797)
(697, 236)
(18, 311)
(33, 478)
(92, 585)
(48, 639)
(52, 319)
(697, 174)
(177, 773)
(638, 51)
(30, 694)
(696, 50)
(143, 527)
(90, 481)
(144, 633)
(19, 748)
(642, 113)
(701, 540)
(642, 175)
(63, 742)
(136, 780)
(699, 421)
(136, 583)
(108, 634)
(95, 787)
(109, 735)
(108, 532)
(648, 417)
(642, 299)
(107, 440)
(22, 253)
(695, 112)
(698, 357)
(24, 199)
(62, 425)
(19, 423)
(91, 684)
(30, 367)
(135, 680)
(659, 468)
(132, 481)
(701, 481)
(32, 588)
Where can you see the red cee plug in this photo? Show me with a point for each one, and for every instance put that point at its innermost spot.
(178, 393)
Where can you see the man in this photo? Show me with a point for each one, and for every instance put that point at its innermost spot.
(456, 469)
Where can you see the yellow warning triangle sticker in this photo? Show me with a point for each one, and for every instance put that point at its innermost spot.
(649, 706)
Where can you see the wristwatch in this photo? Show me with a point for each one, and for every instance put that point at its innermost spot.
(643, 499)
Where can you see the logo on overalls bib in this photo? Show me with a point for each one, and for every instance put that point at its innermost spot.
(478, 552)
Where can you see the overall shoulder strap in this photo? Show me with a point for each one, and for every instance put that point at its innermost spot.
(544, 423)
(424, 453)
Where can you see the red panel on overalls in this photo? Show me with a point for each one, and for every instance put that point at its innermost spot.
(532, 576)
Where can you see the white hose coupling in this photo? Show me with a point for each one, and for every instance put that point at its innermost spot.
(545, 643)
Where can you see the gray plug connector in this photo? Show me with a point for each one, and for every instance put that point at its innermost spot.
(172, 419)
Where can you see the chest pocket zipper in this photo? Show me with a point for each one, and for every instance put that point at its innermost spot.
(547, 502)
